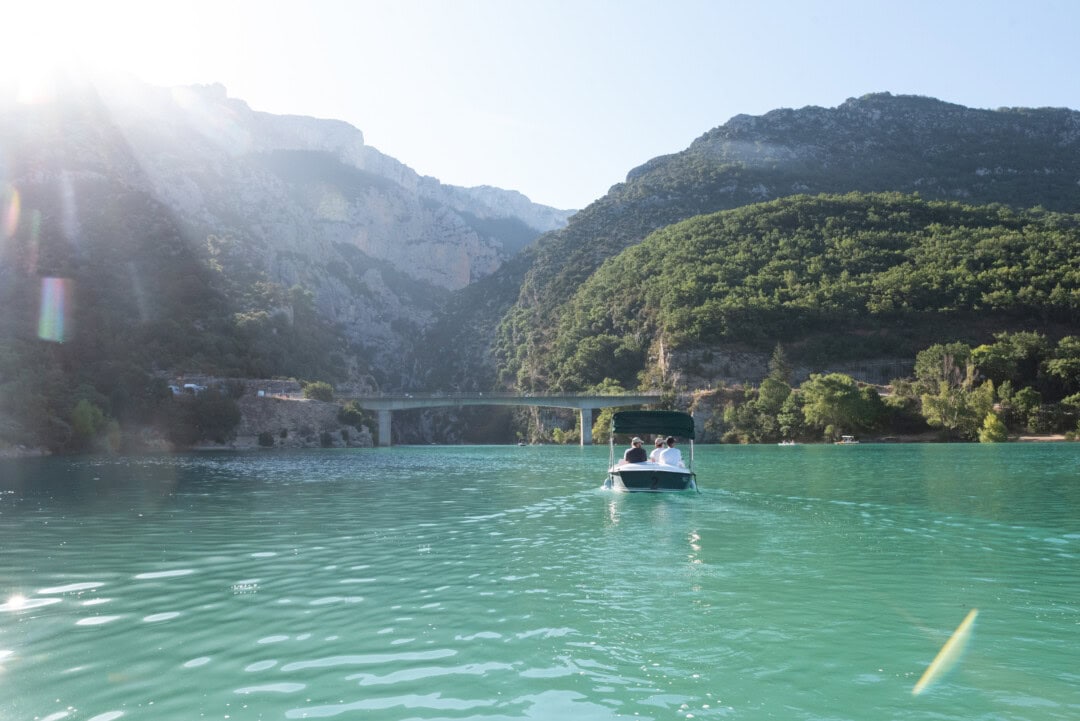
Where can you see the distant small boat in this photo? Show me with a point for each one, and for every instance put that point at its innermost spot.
(847, 441)
(649, 476)
(787, 443)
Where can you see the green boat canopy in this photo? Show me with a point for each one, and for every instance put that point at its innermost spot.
(660, 423)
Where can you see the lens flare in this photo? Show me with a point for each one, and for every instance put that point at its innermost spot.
(31, 256)
(948, 655)
(38, 88)
(53, 319)
(11, 214)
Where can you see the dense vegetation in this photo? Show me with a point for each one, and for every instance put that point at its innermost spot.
(99, 308)
(829, 276)
(1019, 157)
(1020, 383)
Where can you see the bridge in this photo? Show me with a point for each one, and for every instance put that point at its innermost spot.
(384, 404)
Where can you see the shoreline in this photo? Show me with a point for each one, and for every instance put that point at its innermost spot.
(23, 452)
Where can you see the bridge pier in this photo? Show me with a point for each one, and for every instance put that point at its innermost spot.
(586, 426)
(384, 428)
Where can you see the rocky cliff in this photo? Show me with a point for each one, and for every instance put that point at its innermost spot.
(294, 185)
(296, 201)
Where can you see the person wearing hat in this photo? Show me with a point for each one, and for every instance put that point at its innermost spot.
(635, 453)
(655, 455)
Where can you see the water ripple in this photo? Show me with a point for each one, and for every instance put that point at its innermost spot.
(72, 588)
(795, 586)
(433, 701)
(165, 574)
(369, 659)
(280, 688)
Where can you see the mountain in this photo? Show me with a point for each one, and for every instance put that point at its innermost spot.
(1020, 157)
(310, 203)
(293, 200)
(178, 230)
(150, 230)
(299, 184)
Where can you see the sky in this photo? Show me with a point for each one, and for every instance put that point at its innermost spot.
(558, 99)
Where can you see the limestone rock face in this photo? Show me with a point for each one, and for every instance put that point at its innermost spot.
(300, 200)
(302, 185)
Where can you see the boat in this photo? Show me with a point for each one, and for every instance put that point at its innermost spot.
(847, 441)
(649, 476)
(787, 443)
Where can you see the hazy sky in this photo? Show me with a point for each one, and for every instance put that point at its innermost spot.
(559, 99)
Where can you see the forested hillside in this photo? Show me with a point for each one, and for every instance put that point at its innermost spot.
(1017, 157)
(94, 304)
(829, 277)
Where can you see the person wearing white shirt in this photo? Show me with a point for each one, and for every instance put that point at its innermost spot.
(655, 455)
(671, 456)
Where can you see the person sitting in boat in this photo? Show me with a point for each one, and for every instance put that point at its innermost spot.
(671, 456)
(635, 453)
(655, 455)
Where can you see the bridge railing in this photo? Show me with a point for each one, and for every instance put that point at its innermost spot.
(482, 394)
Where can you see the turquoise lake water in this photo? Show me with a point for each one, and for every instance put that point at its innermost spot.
(805, 582)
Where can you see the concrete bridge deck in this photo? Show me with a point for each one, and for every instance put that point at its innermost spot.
(385, 403)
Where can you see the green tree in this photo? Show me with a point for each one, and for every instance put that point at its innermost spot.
(601, 426)
(740, 423)
(993, 430)
(957, 409)
(319, 391)
(948, 363)
(1064, 366)
(1025, 406)
(1028, 349)
(995, 361)
(771, 395)
(833, 400)
(566, 437)
(903, 408)
(790, 418)
(757, 417)
(780, 368)
(872, 409)
(351, 414)
(1013, 357)
(87, 420)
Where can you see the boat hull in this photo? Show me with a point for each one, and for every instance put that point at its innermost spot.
(650, 478)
